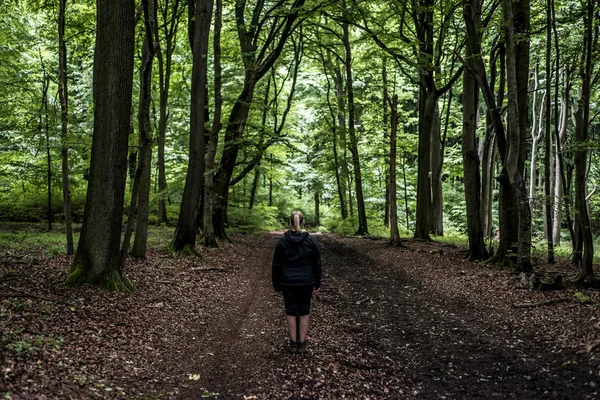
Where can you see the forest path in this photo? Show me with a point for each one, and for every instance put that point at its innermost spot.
(377, 332)
(417, 322)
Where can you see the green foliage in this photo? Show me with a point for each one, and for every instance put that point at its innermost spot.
(34, 238)
(346, 227)
(259, 219)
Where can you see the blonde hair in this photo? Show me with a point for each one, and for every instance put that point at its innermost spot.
(296, 221)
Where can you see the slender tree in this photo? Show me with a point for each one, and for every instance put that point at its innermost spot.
(170, 16)
(185, 233)
(360, 201)
(208, 230)
(257, 61)
(145, 132)
(64, 118)
(584, 250)
(512, 170)
(549, 204)
(472, 180)
(394, 233)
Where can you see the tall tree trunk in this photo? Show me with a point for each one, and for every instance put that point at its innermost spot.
(44, 128)
(97, 260)
(536, 130)
(488, 154)
(138, 249)
(427, 101)
(394, 233)
(64, 118)
(585, 243)
(339, 84)
(406, 209)
(521, 11)
(472, 181)
(560, 187)
(187, 225)
(436, 220)
(512, 168)
(386, 100)
(165, 61)
(209, 236)
(254, 187)
(317, 208)
(340, 184)
(254, 70)
(548, 139)
(360, 201)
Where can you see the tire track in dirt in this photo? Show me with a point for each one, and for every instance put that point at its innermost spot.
(229, 342)
(450, 348)
(376, 333)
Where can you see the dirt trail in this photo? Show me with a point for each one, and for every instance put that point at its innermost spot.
(377, 332)
(389, 323)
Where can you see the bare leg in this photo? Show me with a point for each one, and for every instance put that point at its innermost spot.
(291, 323)
(303, 328)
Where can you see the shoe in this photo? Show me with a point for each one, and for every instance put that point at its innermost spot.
(293, 346)
(302, 347)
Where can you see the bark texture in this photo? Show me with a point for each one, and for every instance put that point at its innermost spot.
(64, 119)
(97, 259)
(187, 222)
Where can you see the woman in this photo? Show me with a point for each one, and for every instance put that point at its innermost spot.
(297, 274)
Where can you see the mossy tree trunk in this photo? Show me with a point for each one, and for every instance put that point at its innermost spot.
(97, 260)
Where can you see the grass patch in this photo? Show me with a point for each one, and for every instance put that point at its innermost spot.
(32, 238)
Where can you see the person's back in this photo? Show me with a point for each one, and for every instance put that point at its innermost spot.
(297, 274)
(297, 255)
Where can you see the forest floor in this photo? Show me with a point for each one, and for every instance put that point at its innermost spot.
(389, 323)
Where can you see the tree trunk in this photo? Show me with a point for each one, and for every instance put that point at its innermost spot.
(427, 101)
(336, 159)
(394, 233)
(64, 118)
(512, 167)
(560, 179)
(170, 26)
(187, 225)
(472, 181)
(254, 70)
(339, 84)
(436, 220)
(254, 188)
(138, 249)
(208, 230)
(522, 30)
(44, 128)
(585, 242)
(360, 202)
(386, 100)
(548, 139)
(536, 131)
(317, 208)
(97, 260)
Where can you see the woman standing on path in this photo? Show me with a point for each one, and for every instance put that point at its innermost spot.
(297, 274)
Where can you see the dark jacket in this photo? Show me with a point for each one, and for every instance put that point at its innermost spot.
(296, 261)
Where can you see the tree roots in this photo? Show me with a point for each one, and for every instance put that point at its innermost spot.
(115, 280)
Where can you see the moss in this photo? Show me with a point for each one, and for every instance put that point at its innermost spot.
(77, 276)
(117, 282)
(191, 251)
(114, 281)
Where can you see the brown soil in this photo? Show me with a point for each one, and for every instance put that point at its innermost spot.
(390, 323)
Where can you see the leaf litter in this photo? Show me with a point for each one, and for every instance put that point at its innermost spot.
(389, 323)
